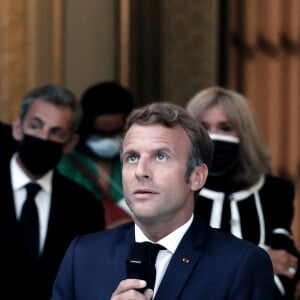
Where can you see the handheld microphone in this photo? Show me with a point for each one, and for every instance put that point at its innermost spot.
(137, 263)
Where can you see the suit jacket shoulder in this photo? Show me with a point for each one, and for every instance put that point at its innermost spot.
(280, 185)
(204, 259)
(76, 202)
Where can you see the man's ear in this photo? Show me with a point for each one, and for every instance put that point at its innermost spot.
(17, 129)
(72, 142)
(198, 177)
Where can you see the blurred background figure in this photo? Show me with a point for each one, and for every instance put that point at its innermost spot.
(95, 162)
(36, 228)
(241, 195)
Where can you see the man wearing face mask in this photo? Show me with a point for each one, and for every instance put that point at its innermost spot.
(95, 162)
(58, 211)
(241, 195)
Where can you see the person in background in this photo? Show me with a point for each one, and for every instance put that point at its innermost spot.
(7, 143)
(95, 162)
(61, 209)
(165, 153)
(241, 195)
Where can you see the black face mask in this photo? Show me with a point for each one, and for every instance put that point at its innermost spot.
(38, 155)
(226, 155)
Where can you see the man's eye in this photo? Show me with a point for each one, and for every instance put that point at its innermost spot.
(59, 135)
(132, 158)
(160, 156)
(34, 126)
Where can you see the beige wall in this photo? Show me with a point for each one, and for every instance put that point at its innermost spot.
(76, 43)
(69, 42)
(89, 49)
(190, 48)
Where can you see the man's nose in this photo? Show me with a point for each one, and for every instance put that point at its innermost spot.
(143, 169)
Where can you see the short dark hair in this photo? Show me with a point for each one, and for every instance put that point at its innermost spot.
(56, 95)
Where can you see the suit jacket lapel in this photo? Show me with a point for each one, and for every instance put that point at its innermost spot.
(57, 217)
(183, 261)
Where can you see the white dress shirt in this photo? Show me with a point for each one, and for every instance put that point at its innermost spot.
(170, 242)
(43, 198)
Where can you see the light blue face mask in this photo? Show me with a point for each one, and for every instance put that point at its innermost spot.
(107, 147)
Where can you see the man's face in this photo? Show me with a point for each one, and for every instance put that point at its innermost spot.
(44, 134)
(154, 167)
(48, 121)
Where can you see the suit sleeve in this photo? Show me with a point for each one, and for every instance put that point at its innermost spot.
(281, 196)
(63, 286)
(282, 207)
(250, 283)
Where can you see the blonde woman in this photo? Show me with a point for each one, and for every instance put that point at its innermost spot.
(240, 195)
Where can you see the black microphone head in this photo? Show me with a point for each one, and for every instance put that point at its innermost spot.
(137, 261)
(140, 262)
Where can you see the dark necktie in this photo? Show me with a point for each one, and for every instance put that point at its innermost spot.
(153, 250)
(29, 225)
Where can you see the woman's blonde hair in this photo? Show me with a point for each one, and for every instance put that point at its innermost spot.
(254, 155)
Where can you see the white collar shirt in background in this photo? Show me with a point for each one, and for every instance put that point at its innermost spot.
(170, 242)
(43, 199)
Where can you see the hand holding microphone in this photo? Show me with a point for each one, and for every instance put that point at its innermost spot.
(129, 289)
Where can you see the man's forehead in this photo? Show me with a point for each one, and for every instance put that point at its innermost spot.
(156, 133)
(49, 113)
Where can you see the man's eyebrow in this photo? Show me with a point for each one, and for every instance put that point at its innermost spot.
(129, 151)
(57, 128)
(162, 149)
(35, 119)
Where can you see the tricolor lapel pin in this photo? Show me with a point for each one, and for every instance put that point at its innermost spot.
(185, 260)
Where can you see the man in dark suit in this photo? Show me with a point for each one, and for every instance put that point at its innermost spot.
(45, 129)
(165, 154)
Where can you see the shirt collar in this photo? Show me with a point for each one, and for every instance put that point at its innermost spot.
(171, 241)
